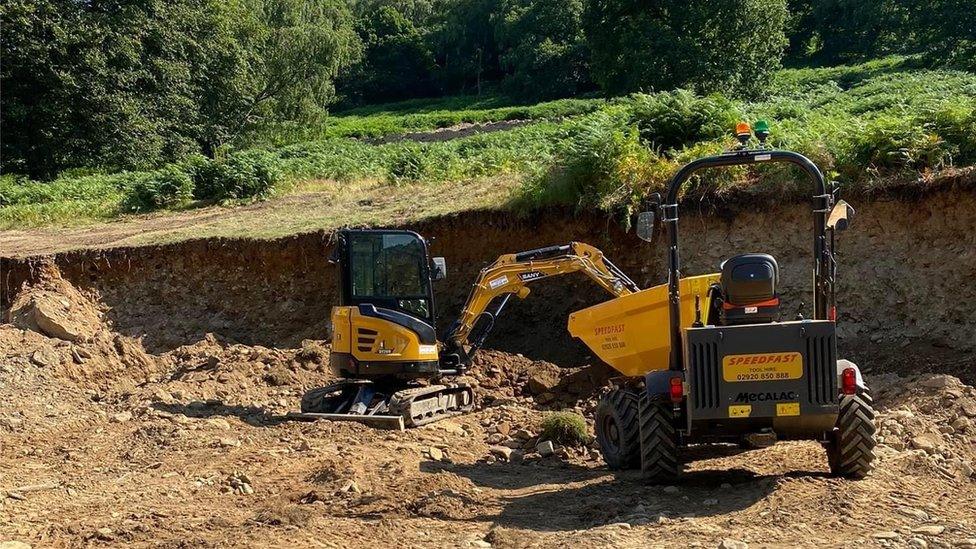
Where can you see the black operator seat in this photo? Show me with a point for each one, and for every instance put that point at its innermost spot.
(748, 284)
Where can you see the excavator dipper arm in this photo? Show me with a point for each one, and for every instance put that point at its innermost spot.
(509, 275)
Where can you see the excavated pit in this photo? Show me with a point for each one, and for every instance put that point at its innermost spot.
(905, 279)
(144, 388)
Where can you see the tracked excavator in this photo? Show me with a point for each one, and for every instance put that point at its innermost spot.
(393, 369)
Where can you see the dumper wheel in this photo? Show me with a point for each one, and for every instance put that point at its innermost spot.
(850, 446)
(617, 429)
(660, 462)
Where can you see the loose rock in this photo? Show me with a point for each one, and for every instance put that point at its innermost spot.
(502, 452)
(545, 448)
(926, 443)
(46, 357)
(938, 381)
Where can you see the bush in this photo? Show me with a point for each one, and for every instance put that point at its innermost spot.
(603, 166)
(163, 188)
(250, 174)
(409, 162)
(565, 428)
(956, 123)
(675, 119)
(894, 142)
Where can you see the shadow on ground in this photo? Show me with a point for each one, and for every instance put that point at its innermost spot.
(252, 415)
(570, 497)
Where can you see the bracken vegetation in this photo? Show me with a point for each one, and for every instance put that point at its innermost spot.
(864, 125)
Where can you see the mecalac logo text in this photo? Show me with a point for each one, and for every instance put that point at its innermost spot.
(766, 397)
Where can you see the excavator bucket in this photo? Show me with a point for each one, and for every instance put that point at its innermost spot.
(630, 332)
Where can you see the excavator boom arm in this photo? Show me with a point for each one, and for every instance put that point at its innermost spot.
(510, 274)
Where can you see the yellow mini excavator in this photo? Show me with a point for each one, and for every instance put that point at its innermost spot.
(384, 345)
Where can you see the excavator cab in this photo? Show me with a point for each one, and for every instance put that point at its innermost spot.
(384, 323)
(388, 269)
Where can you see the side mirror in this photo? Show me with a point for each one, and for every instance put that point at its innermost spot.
(645, 226)
(840, 216)
(440, 268)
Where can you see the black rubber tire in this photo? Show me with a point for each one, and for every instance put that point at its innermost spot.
(660, 462)
(617, 429)
(850, 450)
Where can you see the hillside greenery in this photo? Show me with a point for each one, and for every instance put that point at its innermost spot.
(137, 85)
(867, 125)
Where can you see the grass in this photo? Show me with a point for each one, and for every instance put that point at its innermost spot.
(868, 126)
(310, 205)
(565, 428)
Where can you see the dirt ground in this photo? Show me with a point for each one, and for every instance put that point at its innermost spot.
(104, 444)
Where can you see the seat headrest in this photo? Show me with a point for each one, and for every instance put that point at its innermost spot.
(749, 277)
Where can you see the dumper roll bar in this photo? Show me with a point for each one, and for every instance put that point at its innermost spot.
(822, 202)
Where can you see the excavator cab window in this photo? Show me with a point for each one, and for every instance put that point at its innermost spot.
(389, 270)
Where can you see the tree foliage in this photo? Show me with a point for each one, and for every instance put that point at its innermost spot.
(130, 84)
(942, 32)
(127, 84)
(543, 47)
(700, 44)
(397, 61)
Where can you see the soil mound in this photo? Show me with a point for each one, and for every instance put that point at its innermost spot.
(53, 307)
(55, 327)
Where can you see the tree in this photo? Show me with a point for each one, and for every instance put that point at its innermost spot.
(397, 60)
(840, 31)
(287, 57)
(704, 45)
(129, 84)
(97, 84)
(944, 30)
(543, 49)
(464, 44)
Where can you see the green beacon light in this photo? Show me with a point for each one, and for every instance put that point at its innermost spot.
(761, 129)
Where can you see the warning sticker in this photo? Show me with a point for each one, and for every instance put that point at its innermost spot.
(740, 410)
(788, 409)
(496, 282)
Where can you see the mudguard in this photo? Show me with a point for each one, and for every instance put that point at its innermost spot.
(842, 365)
(658, 382)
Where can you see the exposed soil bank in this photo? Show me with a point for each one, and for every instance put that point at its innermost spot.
(906, 279)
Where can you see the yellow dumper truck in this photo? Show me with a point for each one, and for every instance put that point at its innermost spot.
(707, 359)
